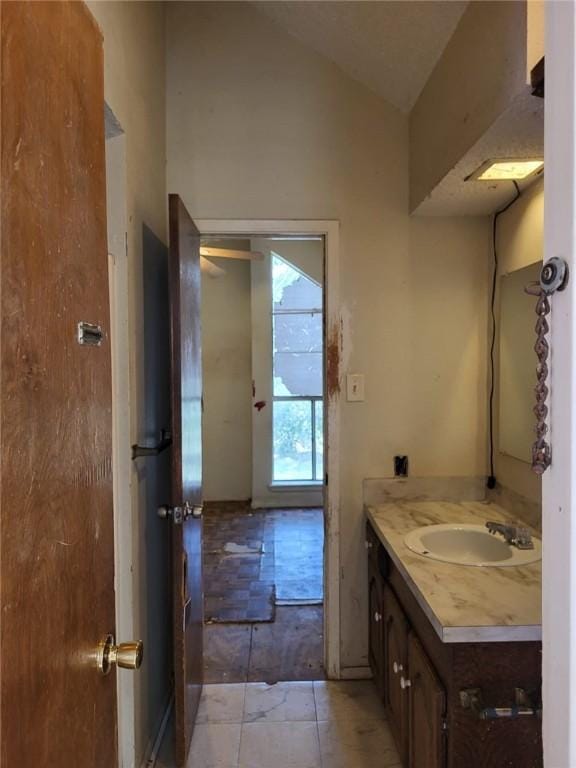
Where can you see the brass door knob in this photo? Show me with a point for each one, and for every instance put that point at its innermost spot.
(124, 655)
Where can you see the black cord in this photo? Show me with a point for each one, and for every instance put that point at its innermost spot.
(491, 482)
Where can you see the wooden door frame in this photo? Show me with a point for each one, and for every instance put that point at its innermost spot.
(330, 230)
(119, 278)
(559, 482)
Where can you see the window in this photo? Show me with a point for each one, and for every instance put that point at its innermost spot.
(298, 408)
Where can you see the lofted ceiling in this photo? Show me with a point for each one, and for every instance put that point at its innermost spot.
(391, 47)
(518, 132)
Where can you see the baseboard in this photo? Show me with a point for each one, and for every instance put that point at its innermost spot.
(153, 751)
(289, 499)
(227, 505)
(355, 673)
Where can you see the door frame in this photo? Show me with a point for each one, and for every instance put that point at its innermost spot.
(559, 482)
(329, 229)
(118, 274)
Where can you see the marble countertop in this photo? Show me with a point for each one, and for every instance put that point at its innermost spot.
(463, 603)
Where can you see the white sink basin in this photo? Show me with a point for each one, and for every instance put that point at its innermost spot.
(469, 545)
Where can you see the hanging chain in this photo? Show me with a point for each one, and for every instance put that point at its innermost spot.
(541, 450)
(553, 277)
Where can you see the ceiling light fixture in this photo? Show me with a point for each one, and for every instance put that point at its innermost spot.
(508, 169)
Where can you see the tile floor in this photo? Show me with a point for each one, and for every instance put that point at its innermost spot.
(263, 594)
(292, 725)
(238, 548)
(298, 555)
(254, 559)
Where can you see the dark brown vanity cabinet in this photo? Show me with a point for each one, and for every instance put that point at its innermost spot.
(414, 697)
(396, 665)
(376, 624)
(376, 642)
(427, 710)
(420, 679)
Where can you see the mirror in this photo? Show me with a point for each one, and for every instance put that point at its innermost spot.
(517, 362)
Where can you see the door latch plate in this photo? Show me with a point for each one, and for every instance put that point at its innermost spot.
(90, 335)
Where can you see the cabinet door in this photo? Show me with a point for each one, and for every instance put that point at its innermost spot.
(427, 710)
(375, 633)
(372, 547)
(396, 662)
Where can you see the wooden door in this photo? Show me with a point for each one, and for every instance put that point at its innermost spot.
(427, 710)
(56, 545)
(186, 471)
(396, 665)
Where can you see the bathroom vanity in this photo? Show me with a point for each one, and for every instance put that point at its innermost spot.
(451, 643)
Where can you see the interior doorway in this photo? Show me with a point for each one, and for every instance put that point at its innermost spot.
(265, 318)
(263, 446)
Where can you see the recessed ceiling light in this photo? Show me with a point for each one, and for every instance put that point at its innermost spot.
(507, 169)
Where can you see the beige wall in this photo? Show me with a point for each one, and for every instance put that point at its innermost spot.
(227, 383)
(520, 243)
(482, 69)
(134, 69)
(258, 126)
(305, 255)
(536, 33)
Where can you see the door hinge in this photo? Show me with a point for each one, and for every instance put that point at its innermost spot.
(444, 724)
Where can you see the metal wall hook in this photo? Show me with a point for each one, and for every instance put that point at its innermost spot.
(554, 275)
(145, 450)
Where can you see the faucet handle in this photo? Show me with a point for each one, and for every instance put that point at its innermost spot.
(493, 527)
(524, 538)
(515, 535)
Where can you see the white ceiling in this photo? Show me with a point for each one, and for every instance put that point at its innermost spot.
(391, 46)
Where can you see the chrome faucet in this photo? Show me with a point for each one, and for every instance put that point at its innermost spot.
(515, 535)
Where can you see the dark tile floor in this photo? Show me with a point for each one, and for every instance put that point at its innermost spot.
(263, 594)
(298, 556)
(256, 559)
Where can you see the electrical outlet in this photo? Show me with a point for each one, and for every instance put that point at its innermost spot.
(400, 466)
(355, 387)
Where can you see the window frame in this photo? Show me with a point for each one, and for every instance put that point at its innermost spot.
(312, 399)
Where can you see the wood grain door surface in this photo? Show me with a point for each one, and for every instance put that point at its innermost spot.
(186, 470)
(375, 633)
(56, 544)
(426, 711)
(396, 650)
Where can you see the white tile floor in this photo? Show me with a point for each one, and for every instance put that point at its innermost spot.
(292, 725)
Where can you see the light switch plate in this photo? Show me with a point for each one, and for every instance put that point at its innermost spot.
(355, 387)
